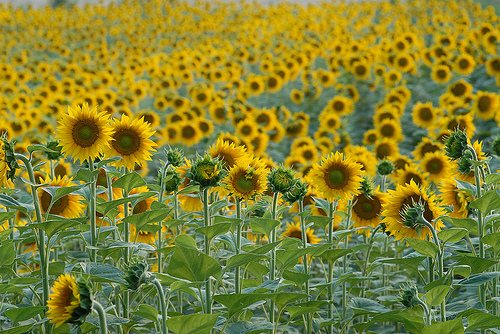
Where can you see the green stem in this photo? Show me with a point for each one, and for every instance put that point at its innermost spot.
(367, 257)
(161, 193)
(237, 278)
(206, 217)
(177, 232)
(272, 269)
(126, 237)
(163, 306)
(331, 214)
(93, 228)
(344, 261)
(427, 313)
(102, 316)
(306, 263)
(44, 264)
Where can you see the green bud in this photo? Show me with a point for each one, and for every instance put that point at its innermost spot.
(136, 274)
(53, 145)
(408, 296)
(367, 187)
(464, 165)
(206, 172)
(495, 146)
(297, 193)
(281, 179)
(174, 157)
(385, 167)
(173, 180)
(10, 158)
(456, 144)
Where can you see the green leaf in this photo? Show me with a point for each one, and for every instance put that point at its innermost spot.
(11, 203)
(436, 295)
(319, 221)
(424, 247)
(409, 262)
(482, 320)
(103, 272)
(462, 270)
(129, 181)
(38, 147)
(107, 161)
(85, 175)
(263, 249)
(492, 239)
(477, 264)
(333, 255)
(19, 314)
(452, 234)
(147, 217)
(7, 253)
(53, 226)
(147, 311)
(469, 224)
(239, 260)
(250, 327)
(224, 219)
(487, 202)
(59, 192)
(287, 258)
(190, 264)
(4, 216)
(5, 234)
(263, 225)
(282, 299)
(467, 187)
(214, 230)
(185, 240)
(105, 207)
(450, 327)
(478, 279)
(296, 277)
(492, 178)
(366, 306)
(297, 311)
(173, 223)
(236, 302)
(216, 206)
(17, 330)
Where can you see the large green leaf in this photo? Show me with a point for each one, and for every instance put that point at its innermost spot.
(263, 225)
(450, 327)
(319, 221)
(19, 314)
(466, 223)
(261, 249)
(129, 181)
(7, 253)
(478, 279)
(103, 272)
(287, 258)
(436, 295)
(424, 247)
(452, 234)
(237, 302)
(190, 264)
(409, 262)
(481, 320)
(214, 230)
(477, 264)
(147, 217)
(297, 311)
(147, 311)
(487, 202)
(282, 299)
(250, 327)
(59, 192)
(18, 330)
(296, 277)
(53, 226)
(105, 207)
(239, 260)
(192, 323)
(4, 216)
(333, 255)
(366, 306)
(492, 239)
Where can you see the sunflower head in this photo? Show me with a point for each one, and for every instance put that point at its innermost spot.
(70, 300)
(136, 274)
(385, 167)
(8, 162)
(412, 216)
(206, 172)
(456, 143)
(245, 181)
(175, 157)
(281, 179)
(408, 296)
(297, 193)
(464, 164)
(55, 152)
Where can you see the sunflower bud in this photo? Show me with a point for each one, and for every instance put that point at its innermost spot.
(408, 296)
(495, 146)
(456, 143)
(281, 179)
(175, 157)
(206, 172)
(464, 165)
(413, 216)
(173, 180)
(366, 187)
(385, 167)
(57, 150)
(136, 274)
(297, 193)
(8, 161)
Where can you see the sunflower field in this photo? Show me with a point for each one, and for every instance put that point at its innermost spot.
(212, 167)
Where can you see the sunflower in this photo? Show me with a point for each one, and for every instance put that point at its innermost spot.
(485, 105)
(258, 144)
(361, 70)
(470, 176)
(453, 196)
(337, 177)
(274, 83)
(293, 230)
(329, 121)
(398, 201)
(205, 126)
(437, 164)
(426, 145)
(424, 115)
(493, 66)
(404, 62)
(67, 206)
(245, 182)
(189, 134)
(460, 88)
(247, 129)
(143, 205)
(255, 85)
(385, 148)
(131, 142)
(391, 129)
(150, 117)
(392, 77)
(341, 105)
(364, 157)
(228, 153)
(440, 74)
(83, 133)
(367, 209)
(411, 173)
(266, 118)
(64, 300)
(296, 96)
(228, 137)
(141, 237)
(370, 137)
(308, 152)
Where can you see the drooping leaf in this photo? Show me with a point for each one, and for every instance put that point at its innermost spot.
(236, 302)
(214, 230)
(7, 253)
(451, 327)
(478, 279)
(282, 299)
(452, 234)
(296, 277)
(263, 225)
(424, 247)
(297, 311)
(333, 255)
(147, 311)
(190, 264)
(129, 181)
(487, 202)
(366, 306)
(477, 264)
(148, 217)
(239, 260)
(467, 223)
(436, 295)
(103, 272)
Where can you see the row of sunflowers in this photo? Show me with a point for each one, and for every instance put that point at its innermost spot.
(219, 167)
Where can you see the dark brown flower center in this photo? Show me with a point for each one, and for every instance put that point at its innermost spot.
(126, 142)
(85, 133)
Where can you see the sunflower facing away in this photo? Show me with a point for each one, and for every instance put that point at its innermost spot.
(245, 182)
(131, 142)
(83, 133)
(70, 301)
(337, 177)
(67, 206)
(398, 202)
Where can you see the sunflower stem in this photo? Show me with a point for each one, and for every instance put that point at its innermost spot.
(177, 232)
(102, 316)
(163, 306)
(272, 269)
(237, 278)
(160, 223)
(367, 257)
(206, 217)
(306, 263)
(44, 264)
(331, 214)
(126, 237)
(344, 263)
(93, 227)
